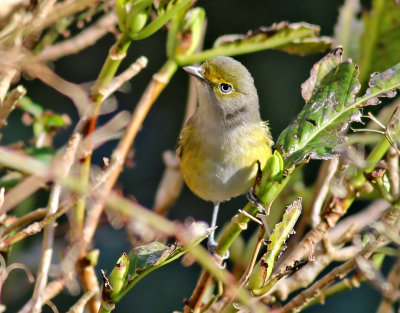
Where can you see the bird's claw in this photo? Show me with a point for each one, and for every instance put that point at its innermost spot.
(251, 197)
(211, 246)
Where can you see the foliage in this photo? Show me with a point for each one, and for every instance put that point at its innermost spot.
(338, 94)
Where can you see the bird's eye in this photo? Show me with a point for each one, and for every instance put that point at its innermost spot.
(225, 88)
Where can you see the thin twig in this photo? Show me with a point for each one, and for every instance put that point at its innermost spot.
(9, 104)
(392, 159)
(359, 221)
(24, 220)
(48, 236)
(59, 11)
(81, 41)
(307, 274)
(386, 305)
(171, 183)
(260, 240)
(79, 306)
(125, 76)
(36, 227)
(322, 189)
(22, 191)
(151, 93)
(73, 91)
(341, 271)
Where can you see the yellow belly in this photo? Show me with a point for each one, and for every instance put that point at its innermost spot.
(217, 169)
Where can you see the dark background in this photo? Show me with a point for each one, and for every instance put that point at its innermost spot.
(278, 77)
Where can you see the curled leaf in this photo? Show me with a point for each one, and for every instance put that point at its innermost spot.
(144, 259)
(380, 84)
(281, 232)
(296, 38)
(321, 124)
(303, 38)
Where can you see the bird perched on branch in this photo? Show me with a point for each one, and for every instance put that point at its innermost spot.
(224, 140)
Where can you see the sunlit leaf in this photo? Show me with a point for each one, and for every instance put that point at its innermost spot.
(144, 259)
(330, 107)
(29, 106)
(276, 241)
(320, 126)
(297, 38)
(43, 153)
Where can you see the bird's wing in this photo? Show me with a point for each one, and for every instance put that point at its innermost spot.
(182, 137)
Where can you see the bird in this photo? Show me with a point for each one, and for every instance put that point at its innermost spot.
(225, 140)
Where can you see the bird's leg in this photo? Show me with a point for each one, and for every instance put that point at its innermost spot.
(252, 197)
(211, 239)
(212, 244)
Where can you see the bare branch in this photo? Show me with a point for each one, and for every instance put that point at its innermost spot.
(73, 91)
(170, 185)
(393, 171)
(9, 104)
(386, 305)
(322, 189)
(81, 41)
(307, 274)
(48, 236)
(32, 25)
(24, 220)
(126, 75)
(80, 305)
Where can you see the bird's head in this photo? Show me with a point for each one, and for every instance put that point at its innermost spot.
(225, 86)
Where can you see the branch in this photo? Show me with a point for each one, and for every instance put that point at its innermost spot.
(68, 159)
(307, 274)
(9, 104)
(126, 75)
(299, 301)
(84, 39)
(24, 220)
(32, 25)
(322, 189)
(386, 305)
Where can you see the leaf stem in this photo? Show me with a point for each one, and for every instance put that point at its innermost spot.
(373, 158)
(159, 22)
(233, 49)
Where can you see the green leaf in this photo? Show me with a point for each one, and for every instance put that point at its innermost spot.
(10, 179)
(380, 42)
(51, 120)
(185, 32)
(320, 126)
(31, 107)
(43, 154)
(330, 108)
(161, 20)
(145, 259)
(118, 275)
(298, 38)
(263, 269)
(383, 85)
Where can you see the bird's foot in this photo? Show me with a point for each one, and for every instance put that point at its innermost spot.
(264, 212)
(254, 200)
(211, 246)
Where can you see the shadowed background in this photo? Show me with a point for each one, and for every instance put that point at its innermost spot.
(278, 77)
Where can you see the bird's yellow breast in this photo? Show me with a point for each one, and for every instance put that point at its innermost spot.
(219, 166)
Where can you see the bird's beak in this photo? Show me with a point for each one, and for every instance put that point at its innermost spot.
(195, 71)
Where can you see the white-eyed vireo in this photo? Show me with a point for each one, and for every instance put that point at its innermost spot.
(222, 142)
